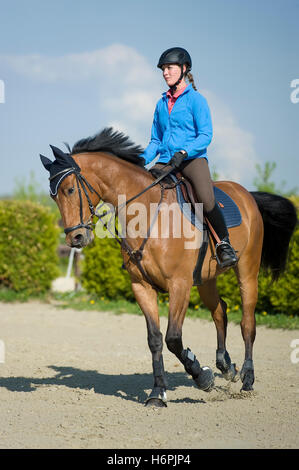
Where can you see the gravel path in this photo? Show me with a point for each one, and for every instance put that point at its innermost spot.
(79, 379)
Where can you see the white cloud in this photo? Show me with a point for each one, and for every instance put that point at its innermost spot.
(126, 84)
(133, 110)
(115, 61)
(232, 150)
(137, 104)
(128, 87)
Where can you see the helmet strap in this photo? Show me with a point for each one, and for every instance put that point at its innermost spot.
(174, 87)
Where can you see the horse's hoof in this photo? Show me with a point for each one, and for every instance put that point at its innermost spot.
(232, 374)
(247, 387)
(157, 398)
(205, 379)
(228, 370)
(155, 403)
(247, 375)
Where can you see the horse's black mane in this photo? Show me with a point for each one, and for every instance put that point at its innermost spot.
(109, 140)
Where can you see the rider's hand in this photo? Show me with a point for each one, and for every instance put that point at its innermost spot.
(178, 158)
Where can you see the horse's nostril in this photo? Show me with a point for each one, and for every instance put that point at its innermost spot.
(78, 239)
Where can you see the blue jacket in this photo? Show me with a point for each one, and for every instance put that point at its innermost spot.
(188, 127)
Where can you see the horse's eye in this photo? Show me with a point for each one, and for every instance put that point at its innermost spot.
(71, 190)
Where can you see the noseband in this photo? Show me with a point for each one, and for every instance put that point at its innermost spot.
(84, 184)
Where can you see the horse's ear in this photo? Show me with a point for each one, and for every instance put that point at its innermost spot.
(46, 162)
(68, 147)
(59, 154)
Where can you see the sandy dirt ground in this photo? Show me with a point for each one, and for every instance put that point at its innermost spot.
(75, 379)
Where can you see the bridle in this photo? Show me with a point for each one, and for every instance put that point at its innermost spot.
(134, 255)
(84, 184)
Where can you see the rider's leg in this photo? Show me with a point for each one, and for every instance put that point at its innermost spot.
(197, 171)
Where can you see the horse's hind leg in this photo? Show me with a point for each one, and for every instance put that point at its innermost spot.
(248, 283)
(211, 299)
(178, 303)
(146, 297)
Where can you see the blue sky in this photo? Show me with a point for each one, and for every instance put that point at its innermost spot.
(72, 67)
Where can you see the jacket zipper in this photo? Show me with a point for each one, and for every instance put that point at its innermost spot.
(166, 103)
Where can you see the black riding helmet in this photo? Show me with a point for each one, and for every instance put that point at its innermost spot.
(176, 55)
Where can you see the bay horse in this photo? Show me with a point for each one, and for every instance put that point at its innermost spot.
(108, 165)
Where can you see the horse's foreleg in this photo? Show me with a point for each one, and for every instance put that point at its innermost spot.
(178, 303)
(146, 297)
(211, 299)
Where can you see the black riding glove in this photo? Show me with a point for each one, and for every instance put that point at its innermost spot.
(177, 159)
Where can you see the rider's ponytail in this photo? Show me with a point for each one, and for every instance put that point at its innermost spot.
(191, 80)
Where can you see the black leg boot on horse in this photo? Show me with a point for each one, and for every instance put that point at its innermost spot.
(178, 303)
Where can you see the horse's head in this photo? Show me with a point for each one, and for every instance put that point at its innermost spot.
(74, 196)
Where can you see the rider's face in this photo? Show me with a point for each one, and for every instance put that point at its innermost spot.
(171, 73)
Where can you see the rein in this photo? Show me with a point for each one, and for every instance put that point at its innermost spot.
(122, 241)
(135, 255)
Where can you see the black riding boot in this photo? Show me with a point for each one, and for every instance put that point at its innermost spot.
(225, 254)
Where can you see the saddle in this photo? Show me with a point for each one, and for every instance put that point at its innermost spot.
(190, 196)
(187, 189)
(186, 194)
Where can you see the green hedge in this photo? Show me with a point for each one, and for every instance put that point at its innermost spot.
(29, 238)
(102, 274)
(274, 297)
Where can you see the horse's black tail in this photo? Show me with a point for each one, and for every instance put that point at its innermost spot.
(280, 219)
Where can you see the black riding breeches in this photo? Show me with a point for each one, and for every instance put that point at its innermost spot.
(197, 171)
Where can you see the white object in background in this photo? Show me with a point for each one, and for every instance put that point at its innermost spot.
(63, 284)
(71, 261)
